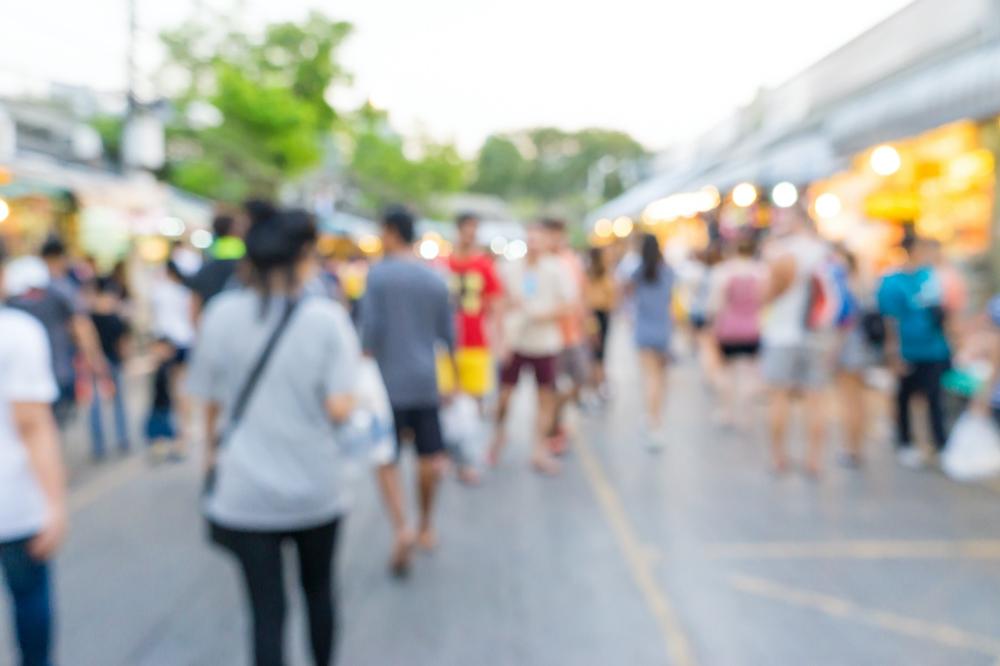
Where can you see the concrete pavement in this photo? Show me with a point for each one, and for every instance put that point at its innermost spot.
(692, 556)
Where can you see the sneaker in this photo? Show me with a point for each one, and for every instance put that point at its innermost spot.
(911, 457)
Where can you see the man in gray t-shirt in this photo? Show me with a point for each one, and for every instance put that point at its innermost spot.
(405, 314)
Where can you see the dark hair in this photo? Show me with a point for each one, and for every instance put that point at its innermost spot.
(174, 271)
(746, 247)
(3, 252)
(400, 220)
(652, 258)
(910, 238)
(106, 284)
(553, 224)
(259, 209)
(222, 225)
(596, 263)
(465, 218)
(275, 244)
(53, 248)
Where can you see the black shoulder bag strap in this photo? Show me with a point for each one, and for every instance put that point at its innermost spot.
(246, 391)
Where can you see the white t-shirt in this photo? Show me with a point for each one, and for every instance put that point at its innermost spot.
(785, 318)
(25, 376)
(171, 303)
(536, 292)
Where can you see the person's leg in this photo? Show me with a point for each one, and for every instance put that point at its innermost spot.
(181, 405)
(96, 420)
(904, 392)
(430, 451)
(727, 389)
(814, 404)
(317, 568)
(853, 413)
(653, 380)
(542, 458)
(780, 412)
(259, 556)
(28, 583)
(509, 376)
(391, 488)
(121, 416)
(935, 402)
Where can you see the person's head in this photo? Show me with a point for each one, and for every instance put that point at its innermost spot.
(53, 253)
(744, 248)
(223, 226)
(467, 226)
(556, 231)
(106, 298)
(920, 251)
(399, 229)
(847, 258)
(280, 252)
(596, 263)
(536, 240)
(652, 258)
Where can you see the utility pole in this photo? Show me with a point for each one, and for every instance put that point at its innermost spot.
(130, 63)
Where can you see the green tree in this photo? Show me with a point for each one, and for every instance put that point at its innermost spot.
(553, 169)
(385, 168)
(270, 94)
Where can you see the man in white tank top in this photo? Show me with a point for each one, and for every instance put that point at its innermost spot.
(796, 360)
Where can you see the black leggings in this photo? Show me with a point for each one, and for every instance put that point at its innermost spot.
(925, 378)
(259, 555)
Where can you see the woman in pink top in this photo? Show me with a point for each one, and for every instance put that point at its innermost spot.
(736, 299)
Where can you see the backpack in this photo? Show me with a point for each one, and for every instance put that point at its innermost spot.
(825, 302)
(739, 319)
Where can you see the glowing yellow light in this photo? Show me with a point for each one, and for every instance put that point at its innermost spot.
(603, 228)
(710, 198)
(885, 160)
(828, 206)
(622, 226)
(784, 195)
(370, 244)
(744, 195)
(4, 210)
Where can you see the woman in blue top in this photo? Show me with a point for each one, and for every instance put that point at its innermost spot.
(652, 288)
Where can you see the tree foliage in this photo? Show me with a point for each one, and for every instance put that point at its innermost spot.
(268, 94)
(386, 168)
(551, 166)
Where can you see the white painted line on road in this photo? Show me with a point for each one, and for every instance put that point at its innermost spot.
(637, 558)
(941, 634)
(107, 481)
(969, 549)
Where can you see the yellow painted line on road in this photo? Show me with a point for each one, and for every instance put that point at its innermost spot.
(969, 549)
(836, 607)
(637, 558)
(107, 481)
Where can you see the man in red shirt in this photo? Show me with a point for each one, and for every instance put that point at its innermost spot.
(476, 289)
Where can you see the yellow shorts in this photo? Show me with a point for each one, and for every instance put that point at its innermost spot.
(475, 372)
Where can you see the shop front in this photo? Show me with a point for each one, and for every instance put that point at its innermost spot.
(939, 184)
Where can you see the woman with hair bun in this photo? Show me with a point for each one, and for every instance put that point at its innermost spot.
(276, 371)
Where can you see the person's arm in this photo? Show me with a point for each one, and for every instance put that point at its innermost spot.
(781, 276)
(342, 373)
(372, 318)
(36, 428)
(212, 411)
(87, 340)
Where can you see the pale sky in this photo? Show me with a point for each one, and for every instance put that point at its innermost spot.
(460, 69)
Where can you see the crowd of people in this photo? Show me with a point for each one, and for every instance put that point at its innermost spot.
(785, 317)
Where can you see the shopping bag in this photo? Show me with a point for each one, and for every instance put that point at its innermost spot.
(973, 450)
(370, 432)
(461, 427)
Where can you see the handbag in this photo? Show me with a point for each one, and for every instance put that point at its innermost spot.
(246, 391)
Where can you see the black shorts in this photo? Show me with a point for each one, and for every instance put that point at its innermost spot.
(423, 425)
(733, 350)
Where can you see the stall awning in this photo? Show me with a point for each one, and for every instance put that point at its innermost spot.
(967, 86)
(634, 200)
